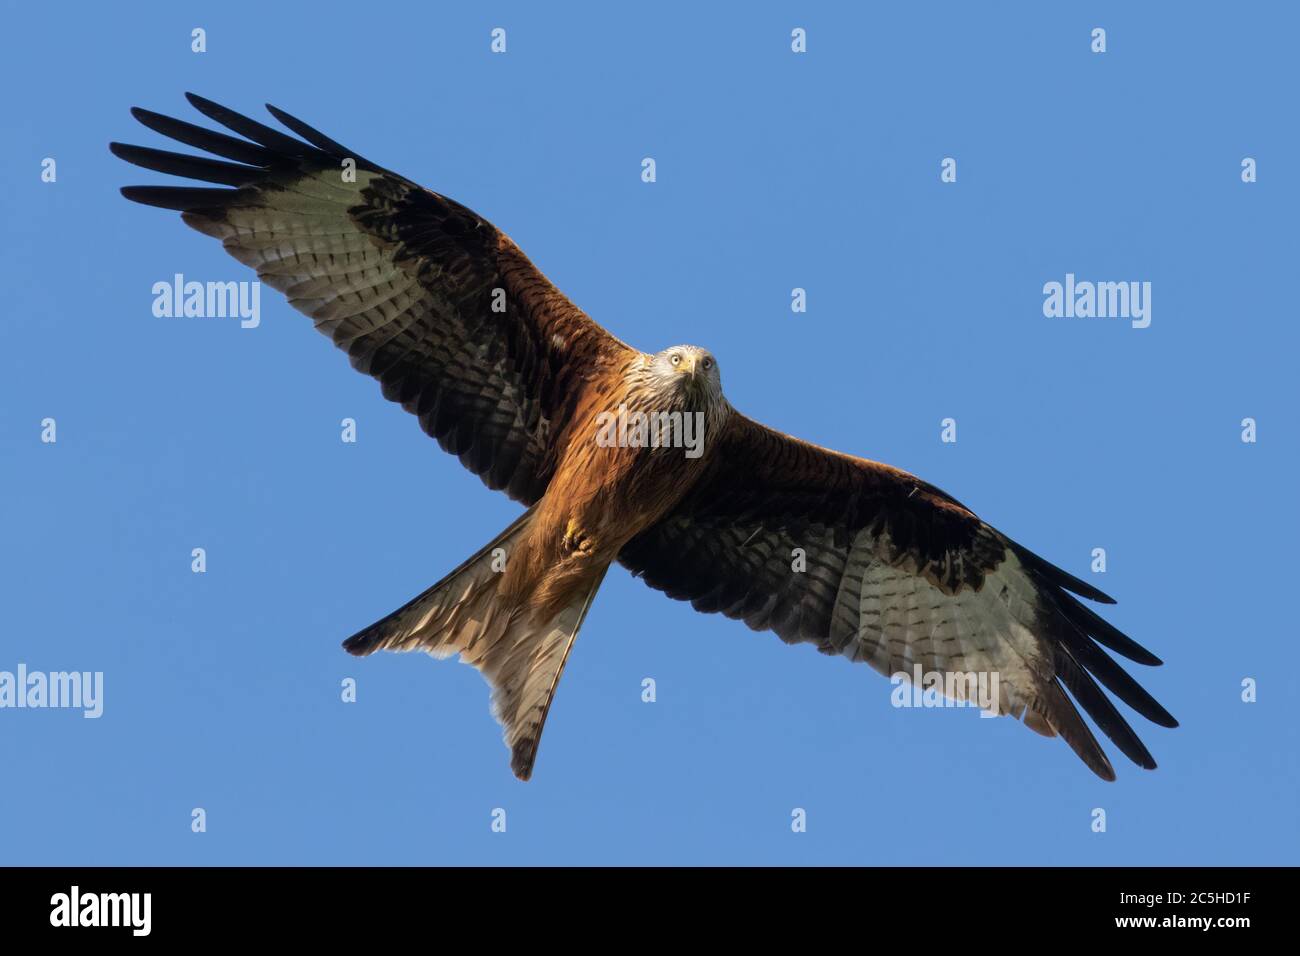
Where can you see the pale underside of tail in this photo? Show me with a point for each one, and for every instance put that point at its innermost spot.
(521, 657)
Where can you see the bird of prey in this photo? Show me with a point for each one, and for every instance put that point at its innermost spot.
(463, 331)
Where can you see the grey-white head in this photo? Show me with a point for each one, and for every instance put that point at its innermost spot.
(684, 375)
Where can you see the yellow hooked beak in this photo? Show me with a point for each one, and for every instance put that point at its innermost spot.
(688, 365)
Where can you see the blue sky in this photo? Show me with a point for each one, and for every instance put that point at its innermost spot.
(775, 171)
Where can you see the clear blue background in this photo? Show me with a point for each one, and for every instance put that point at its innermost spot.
(774, 171)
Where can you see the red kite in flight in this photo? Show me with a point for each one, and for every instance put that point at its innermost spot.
(519, 383)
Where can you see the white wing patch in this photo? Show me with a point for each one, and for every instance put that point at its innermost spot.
(302, 243)
(895, 619)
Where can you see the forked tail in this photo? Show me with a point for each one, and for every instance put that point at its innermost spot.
(521, 658)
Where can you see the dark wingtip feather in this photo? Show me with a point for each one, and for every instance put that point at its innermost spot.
(1121, 683)
(178, 197)
(201, 168)
(211, 141)
(1074, 673)
(1062, 579)
(202, 103)
(1065, 719)
(1103, 632)
(363, 642)
(258, 132)
(309, 133)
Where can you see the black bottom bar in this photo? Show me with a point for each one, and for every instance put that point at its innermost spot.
(335, 906)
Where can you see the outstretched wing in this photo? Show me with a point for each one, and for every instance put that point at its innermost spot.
(427, 297)
(898, 574)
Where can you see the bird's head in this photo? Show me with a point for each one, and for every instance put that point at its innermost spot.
(687, 372)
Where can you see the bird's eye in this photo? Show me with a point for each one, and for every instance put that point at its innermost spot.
(708, 364)
(676, 360)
